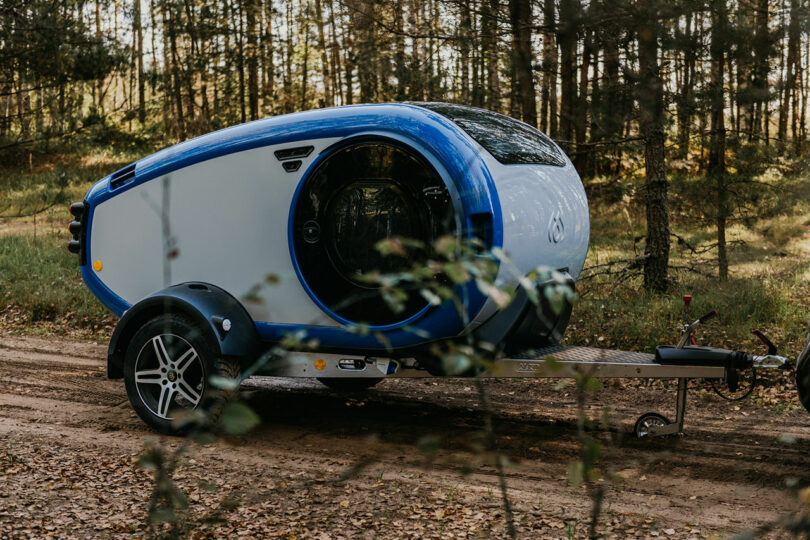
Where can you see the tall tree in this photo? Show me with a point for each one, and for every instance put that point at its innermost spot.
(548, 93)
(717, 140)
(567, 27)
(650, 95)
(252, 17)
(520, 17)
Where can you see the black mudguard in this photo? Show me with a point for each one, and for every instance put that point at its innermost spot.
(522, 326)
(203, 303)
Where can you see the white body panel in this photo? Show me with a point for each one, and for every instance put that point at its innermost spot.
(546, 222)
(227, 218)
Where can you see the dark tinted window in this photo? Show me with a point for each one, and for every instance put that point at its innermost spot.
(362, 214)
(356, 197)
(509, 141)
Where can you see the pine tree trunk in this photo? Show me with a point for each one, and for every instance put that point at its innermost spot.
(328, 100)
(491, 39)
(520, 18)
(464, 31)
(268, 59)
(251, 15)
(717, 140)
(549, 67)
(651, 124)
(582, 104)
(138, 29)
(567, 38)
(761, 68)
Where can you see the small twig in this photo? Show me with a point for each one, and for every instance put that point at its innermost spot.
(490, 433)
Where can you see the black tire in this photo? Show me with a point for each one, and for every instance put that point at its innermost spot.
(167, 367)
(803, 376)
(349, 385)
(645, 421)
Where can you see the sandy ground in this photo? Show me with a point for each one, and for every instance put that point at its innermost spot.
(325, 465)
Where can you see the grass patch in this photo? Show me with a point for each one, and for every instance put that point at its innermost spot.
(769, 256)
(43, 290)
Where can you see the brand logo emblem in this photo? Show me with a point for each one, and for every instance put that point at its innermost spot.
(556, 228)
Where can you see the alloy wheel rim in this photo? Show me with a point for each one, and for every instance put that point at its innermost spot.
(169, 375)
(646, 426)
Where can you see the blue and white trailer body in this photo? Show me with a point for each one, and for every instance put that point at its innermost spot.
(221, 208)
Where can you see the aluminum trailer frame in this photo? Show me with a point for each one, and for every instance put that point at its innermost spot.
(559, 361)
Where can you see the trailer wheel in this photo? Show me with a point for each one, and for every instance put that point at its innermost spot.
(803, 376)
(647, 422)
(167, 367)
(357, 384)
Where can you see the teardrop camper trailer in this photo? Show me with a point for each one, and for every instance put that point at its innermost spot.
(190, 231)
(180, 244)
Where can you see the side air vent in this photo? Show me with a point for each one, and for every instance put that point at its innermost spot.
(122, 176)
(291, 166)
(293, 153)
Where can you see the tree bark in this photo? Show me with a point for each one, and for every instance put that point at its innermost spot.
(651, 124)
(251, 16)
(138, 28)
(717, 140)
(520, 18)
(328, 100)
(490, 23)
(548, 92)
(762, 43)
(567, 27)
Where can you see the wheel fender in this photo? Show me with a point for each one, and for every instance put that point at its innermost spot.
(206, 304)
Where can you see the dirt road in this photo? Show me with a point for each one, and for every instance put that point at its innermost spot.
(324, 465)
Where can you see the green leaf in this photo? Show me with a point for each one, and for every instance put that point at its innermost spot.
(455, 364)
(576, 473)
(431, 297)
(238, 419)
(223, 383)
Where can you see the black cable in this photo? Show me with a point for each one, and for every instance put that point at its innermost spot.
(739, 398)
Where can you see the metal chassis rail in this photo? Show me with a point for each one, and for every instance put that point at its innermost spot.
(550, 362)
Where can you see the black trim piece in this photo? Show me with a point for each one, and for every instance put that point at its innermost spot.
(75, 229)
(294, 153)
(122, 176)
(83, 233)
(481, 228)
(77, 209)
(291, 166)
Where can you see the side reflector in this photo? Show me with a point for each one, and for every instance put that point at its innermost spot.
(97, 266)
(320, 364)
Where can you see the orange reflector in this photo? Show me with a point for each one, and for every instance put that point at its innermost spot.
(97, 266)
(320, 364)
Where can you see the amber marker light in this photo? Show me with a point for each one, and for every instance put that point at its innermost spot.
(97, 266)
(320, 364)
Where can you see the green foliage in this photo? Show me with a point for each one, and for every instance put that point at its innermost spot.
(41, 283)
(237, 418)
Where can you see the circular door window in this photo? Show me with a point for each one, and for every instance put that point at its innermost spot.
(356, 197)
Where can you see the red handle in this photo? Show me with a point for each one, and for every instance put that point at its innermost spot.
(764, 339)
